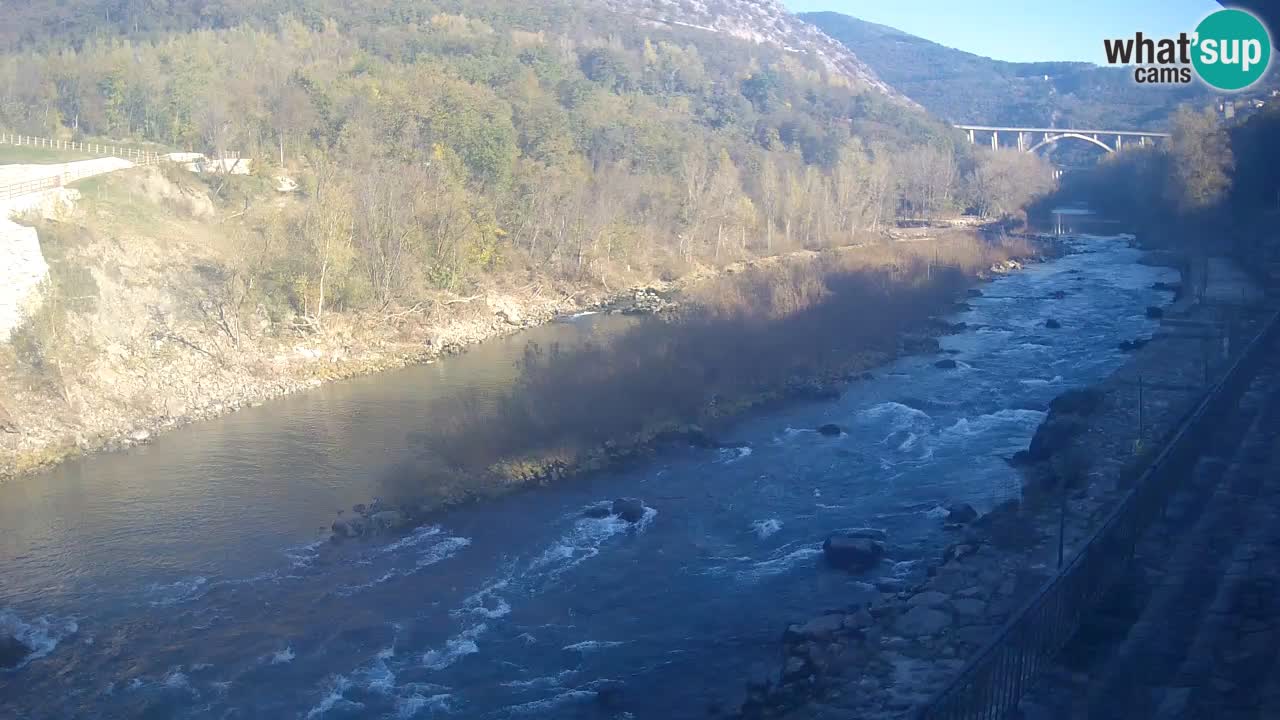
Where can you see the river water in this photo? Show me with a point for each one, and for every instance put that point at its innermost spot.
(190, 578)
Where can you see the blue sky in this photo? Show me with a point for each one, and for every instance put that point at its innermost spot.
(1024, 30)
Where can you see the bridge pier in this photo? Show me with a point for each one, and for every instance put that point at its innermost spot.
(995, 139)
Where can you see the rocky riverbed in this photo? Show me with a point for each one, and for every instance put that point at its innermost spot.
(884, 658)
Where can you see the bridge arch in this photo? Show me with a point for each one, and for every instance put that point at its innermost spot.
(1053, 140)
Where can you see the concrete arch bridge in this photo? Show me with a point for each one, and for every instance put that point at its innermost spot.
(1033, 139)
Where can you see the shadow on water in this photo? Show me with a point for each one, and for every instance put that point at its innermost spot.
(189, 579)
(748, 336)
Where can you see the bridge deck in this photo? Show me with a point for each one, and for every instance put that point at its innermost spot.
(1122, 133)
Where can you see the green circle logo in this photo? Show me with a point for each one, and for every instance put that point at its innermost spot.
(1232, 49)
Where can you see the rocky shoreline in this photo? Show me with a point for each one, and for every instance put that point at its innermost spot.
(885, 658)
(510, 475)
(204, 387)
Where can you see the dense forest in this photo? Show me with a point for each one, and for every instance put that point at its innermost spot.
(965, 88)
(440, 144)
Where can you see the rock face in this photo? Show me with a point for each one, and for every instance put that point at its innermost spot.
(629, 509)
(1083, 402)
(22, 271)
(1054, 435)
(765, 22)
(12, 652)
(852, 553)
(819, 628)
(961, 514)
(922, 621)
(389, 520)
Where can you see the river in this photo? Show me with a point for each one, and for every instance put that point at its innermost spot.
(190, 578)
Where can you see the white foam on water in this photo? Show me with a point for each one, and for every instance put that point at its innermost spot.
(540, 683)
(582, 542)
(280, 657)
(937, 512)
(969, 427)
(377, 676)
(824, 506)
(781, 562)
(338, 686)
(42, 634)
(303, 555)
(486, 602)
(765, 528)
(539, 706)
(175, 679)
(177, 592)
(900, 417)
(409, 707)
(587, 646)
(439, 552)
(790, 433)
(443, 550)
(416, 537)
(733, 455)
(903, 568)
(455, 648)
(584, 313)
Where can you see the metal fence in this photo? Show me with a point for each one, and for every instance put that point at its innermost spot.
(71, 174)
(995, 679)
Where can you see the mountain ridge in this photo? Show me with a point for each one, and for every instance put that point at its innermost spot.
(761, 22)
(964, 87)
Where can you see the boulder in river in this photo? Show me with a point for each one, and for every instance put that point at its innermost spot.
(853, 554)
(975, 293)
(1052, 324)
(961, 514)
(819, 628)
(629, 509)
(1132, 345)
(389, 520)
(1058, 294)
(1081, 401)
(598, 511)
(1054, 435)
(1155, 313)
(352, 527)
(946, 364)
(831, 430)
(923, 621)
(12, 652)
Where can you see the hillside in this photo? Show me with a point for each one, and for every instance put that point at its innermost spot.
(475, 164)
(965, 88)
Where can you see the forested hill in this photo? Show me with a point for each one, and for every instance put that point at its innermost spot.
(966, 88)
